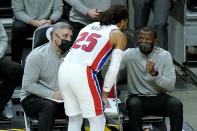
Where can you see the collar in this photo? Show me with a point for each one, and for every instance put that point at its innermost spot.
(54, 50)
(153, 53)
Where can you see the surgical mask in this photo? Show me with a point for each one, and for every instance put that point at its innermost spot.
(65, 44)
(146, 48)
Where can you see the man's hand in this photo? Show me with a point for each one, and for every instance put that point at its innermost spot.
(49, 22)
(150, 66)
(104, 97)
(46, 22)
(57, 95)
(94, 13)
(37, 23)
(105, 102)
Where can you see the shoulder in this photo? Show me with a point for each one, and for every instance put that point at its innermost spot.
(130, 53)
(38, 53)
(117, 32)
(116, 36)
(162, 52)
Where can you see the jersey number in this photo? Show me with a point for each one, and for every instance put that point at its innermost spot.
(91, 38)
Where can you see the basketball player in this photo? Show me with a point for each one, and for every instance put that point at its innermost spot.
(77, 74)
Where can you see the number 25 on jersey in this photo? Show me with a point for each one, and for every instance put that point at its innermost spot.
(85, 36)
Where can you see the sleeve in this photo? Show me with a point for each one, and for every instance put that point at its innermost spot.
(19, 13)
(3, 41)
(57, 10)
(124, 59)
(122, 64)
(167, 78)
(113, 69)
(78, 5)
(31, 75)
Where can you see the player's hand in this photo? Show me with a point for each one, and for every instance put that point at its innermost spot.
(57, 95)
(104, 97)
(94, 13)
(105, 102)
(150, 66)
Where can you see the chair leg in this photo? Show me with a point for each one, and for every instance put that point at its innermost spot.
(27, 123)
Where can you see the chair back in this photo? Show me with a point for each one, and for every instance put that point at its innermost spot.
(41, 35)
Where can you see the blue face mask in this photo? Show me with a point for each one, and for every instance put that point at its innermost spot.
(146, 48)
(65, 44)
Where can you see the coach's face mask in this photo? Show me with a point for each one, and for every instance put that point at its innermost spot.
(146, 48)
(65, 44)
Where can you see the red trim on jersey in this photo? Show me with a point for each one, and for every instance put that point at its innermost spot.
(100, 55)
(94, 92)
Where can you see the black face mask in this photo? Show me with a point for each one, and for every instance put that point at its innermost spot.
(146, 48)
(65, 44)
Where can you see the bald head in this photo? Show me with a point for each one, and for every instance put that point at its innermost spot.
(147, 34)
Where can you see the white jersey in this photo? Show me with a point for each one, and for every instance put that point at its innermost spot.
(92, 47)
(77, 74)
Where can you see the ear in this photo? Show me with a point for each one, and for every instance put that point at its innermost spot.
(121, 24)
(155, 41)
(52, 35)
(123, 21)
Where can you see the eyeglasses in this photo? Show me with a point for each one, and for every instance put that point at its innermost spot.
(58, 36)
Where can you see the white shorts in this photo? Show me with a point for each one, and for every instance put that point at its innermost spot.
(80, 90)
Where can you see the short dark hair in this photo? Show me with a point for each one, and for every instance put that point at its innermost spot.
(148, 29)
(113, 15)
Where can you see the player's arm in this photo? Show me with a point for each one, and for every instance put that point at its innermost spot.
(118, 41)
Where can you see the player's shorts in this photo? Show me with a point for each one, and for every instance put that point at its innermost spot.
(80, 90)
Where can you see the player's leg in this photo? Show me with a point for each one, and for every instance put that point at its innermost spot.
(97, 123)
(75, 123)
(91, 103)
(88, 94)
(67, 81)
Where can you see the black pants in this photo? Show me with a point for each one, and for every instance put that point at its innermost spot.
(20, 31)
(161, 9)
(161, 105)
(10, 76)
(44, 110)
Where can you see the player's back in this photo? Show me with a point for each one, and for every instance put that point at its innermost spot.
(92, 46)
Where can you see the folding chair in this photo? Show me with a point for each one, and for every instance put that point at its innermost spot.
(41, 36)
